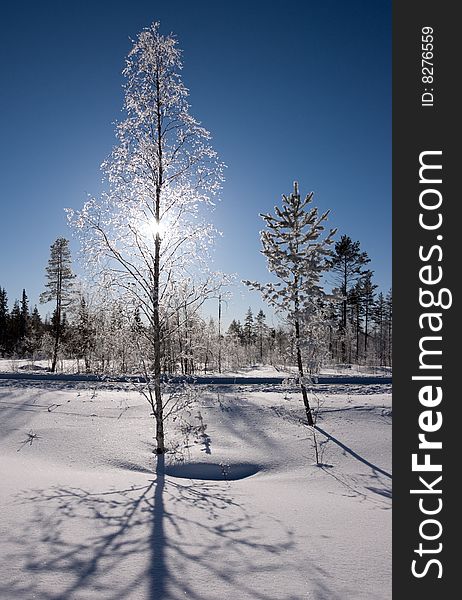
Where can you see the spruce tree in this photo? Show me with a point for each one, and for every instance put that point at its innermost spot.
(24, 321)
(58, 289)
(14, 328)
(235, 330)
(389, 324)
(36, 331)
(3, 322)
(296, 254)
(355, 301)
(261, 329)
(379, 318)
(368, 300)
(249, 327)
(84, 336)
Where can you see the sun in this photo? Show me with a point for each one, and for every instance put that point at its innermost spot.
(151, 228)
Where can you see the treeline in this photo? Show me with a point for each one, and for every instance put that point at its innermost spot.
(22, 330)
(106, 335)
(360, 323)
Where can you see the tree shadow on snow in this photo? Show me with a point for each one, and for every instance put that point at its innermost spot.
(353, 453)
(380, 478)
(153, 541)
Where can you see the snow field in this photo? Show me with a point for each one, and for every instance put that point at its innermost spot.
(243, 512)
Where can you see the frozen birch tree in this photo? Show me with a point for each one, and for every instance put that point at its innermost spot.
(296, 254)
(148, 234)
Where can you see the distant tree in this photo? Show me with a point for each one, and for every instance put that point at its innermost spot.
(347, 264)
(3, 322)
(58, 289)
(234, 343)
(389, 325)
(84, 334)
(24, 322)
(14, 329)
(296, 254)
(36, 331)
(235, 330)
(379, 319)
(316, 338)
(261, 330)
(209, 344)
(368, 289)
(355, 302)
(219, 334)
(249, 333)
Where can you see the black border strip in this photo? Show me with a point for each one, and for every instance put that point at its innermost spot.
(421, 128)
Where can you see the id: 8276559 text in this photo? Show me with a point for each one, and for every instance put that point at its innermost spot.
(427, 67)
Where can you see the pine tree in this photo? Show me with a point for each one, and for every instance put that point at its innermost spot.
(379, 318)
(208, 341)
(14, 329)
(220, 336)
(4, 326)
(24, 322)
(249, 334)
(58, 289)
(347, 264)
(368, 300)
(36, 330)
(85, 333)
(296, 255)
(261, 330)
(234, 328)
(389, 325)
(354, 303)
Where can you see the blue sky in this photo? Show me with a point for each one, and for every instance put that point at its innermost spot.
(290, 90)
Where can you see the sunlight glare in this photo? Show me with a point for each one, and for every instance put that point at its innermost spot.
(152, 227)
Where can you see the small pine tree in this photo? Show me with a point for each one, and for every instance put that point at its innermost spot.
(296, 255)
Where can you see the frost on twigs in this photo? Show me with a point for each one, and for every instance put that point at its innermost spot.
(296, 249)
(162, 180)
(148, 236)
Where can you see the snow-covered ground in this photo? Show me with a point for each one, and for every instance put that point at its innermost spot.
(243, 513)
(9, 365)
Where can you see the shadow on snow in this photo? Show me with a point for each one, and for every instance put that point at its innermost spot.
(142, 542)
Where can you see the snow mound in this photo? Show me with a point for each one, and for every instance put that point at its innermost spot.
(212, 471)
